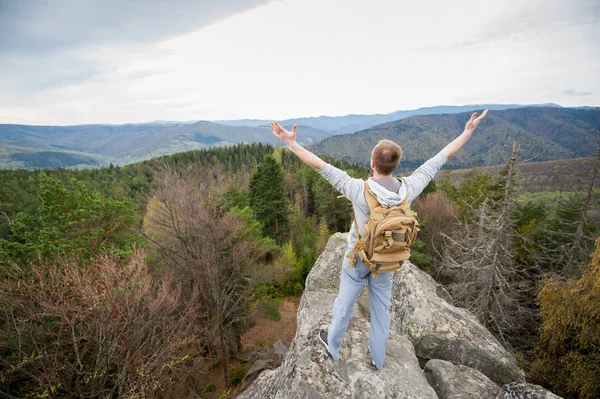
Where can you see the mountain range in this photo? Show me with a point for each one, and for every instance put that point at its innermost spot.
(99, 145)
(546, 133)
(354, 123)
(559, 132)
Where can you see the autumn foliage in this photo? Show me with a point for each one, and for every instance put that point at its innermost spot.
(107, 330)
(568, 353)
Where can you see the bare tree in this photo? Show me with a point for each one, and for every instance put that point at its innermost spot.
(206, 247)
(438, 214)
(107, 330)
(576, 249)
(478, 258)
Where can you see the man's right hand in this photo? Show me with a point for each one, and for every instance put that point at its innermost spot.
(458, 142)
(287, 137)
(474, 121)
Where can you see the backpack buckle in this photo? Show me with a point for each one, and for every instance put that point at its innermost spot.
(389, 239)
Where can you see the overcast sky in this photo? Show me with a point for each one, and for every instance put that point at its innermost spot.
(65, 62)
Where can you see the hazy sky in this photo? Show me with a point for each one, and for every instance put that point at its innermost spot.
(117, 61)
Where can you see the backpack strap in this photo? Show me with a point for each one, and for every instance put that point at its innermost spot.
(404, 205)
(352, 254)
(406, 208)
(372, 202)
(371, 197)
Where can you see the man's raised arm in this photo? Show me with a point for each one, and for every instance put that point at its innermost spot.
(458, 142)
(351, 188)
(420, 178)
(289, 139)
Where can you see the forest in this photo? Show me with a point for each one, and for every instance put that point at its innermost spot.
(132, 281)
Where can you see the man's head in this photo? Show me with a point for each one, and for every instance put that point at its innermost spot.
(385, 157)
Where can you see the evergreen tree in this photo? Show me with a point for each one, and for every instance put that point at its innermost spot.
(72, 222)
(336, 209)
(268, 201)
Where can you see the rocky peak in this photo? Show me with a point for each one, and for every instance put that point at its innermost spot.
(435, 350)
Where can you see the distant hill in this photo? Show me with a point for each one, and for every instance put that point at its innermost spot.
(548, 181)
(555, 133)
(95, 145)
(28, 155)
(563, 175)
(354, 123)
(560, 132)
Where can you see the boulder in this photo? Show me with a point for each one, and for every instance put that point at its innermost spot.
(259, 366)
(280, 348)
(325, 273)
(461, 355)
(521, 390)
(249, 354)
(309, 371)
(458, 382)
(440, 330)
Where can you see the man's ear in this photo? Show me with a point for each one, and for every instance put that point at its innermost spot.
(372, 164)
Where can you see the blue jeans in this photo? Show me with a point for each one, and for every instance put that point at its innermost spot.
(352, 282)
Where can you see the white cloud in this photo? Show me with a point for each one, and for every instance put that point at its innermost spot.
(314, 57)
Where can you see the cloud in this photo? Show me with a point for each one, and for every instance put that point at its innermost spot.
(72, 62)
(576, 93)
(45, 26)
(49, 43)
(524, 20)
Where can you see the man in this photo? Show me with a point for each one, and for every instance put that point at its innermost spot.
(390, 191)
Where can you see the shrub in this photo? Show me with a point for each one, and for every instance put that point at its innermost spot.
(292, 289)
(269, 307)
(236, 375)
(209, 388)
(268, 301)
(107, 330)
(568, 352)
(417, 257)
(437, 215)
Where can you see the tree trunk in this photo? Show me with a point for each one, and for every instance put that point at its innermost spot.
(224, 352)
(579, 234)
(506, 200)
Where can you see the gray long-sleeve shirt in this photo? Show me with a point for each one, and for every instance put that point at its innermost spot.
(354, 189)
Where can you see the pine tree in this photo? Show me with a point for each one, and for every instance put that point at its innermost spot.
(329, 204)
(268, 201)
(76, 221)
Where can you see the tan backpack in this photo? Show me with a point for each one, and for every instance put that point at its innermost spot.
(387, 236)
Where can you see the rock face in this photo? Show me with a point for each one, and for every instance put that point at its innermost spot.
(517, 390)
(458, 382)
(280, 348)
(424, 326)
(439, 330)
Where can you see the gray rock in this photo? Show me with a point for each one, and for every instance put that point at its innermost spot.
(325, 273)
(424, 324)
(248, 354)
(258, 366)
(458, 382)
(439, 330)
(280, 348)
(308, 370)
(522, 390)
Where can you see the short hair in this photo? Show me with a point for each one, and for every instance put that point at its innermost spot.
(386, 156)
